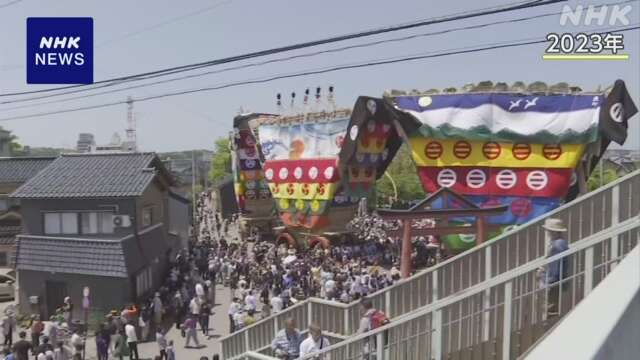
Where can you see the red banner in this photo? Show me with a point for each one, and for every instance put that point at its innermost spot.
(301, 171)
(498, 181)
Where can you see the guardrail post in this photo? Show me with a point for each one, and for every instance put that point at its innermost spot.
(506, 326)
(246, 341)
(387, 303)
(310, 320)
(436, 335)
(615, 219)
(347, 321)
(588, 271)
(486, 298)
(434, 287)
(380, 345)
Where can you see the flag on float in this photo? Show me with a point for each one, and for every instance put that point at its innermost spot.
(616, 112)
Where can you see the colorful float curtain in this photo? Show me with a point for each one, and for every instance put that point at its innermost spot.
(320, 165)
(502, 149)
(251, 188)
(301, 165)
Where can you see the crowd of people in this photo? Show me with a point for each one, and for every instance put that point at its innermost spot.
(263, 277)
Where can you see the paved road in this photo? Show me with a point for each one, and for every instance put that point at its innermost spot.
(218, 322)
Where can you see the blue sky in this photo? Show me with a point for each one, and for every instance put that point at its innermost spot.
(239, 26)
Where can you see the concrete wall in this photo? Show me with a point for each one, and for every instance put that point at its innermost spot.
(622, 342)
(106, 293)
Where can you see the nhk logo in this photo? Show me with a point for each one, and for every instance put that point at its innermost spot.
(55, 58)
(59, 50)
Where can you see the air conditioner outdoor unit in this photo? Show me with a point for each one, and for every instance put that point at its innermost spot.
(121, 220)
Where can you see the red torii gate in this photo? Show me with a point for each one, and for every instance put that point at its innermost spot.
(423, 210)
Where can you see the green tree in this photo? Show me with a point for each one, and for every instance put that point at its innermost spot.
(221, 160)
(15, 148)
(403, 171)
(608, 175)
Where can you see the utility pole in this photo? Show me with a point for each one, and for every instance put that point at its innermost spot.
(132, 140)
(193, 190)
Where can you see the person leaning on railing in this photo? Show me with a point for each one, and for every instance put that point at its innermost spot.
(286, 344)
(314, 343)
(557, 270)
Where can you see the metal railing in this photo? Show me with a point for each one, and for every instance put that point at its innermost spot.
(499, 318)
(600, 209)
(331, 337)
(610, 334)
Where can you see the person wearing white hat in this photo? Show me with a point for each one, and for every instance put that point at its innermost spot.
(291, 257)
(556, 270)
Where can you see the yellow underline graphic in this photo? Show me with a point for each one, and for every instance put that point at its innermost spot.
(585, 57)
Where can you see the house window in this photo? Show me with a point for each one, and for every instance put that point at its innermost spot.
(3, 259)
(61, 223)
(144, 281)
(97, 222)
(4, 203)
(147, 216)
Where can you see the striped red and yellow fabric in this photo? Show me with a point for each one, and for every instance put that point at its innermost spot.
(435, 152)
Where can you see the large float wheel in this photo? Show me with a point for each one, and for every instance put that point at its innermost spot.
(288, 239)
(322, 241)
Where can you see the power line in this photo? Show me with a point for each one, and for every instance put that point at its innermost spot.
(2, 6)
(164, 23)
(377, 31)
(139, 31)
(299, 74)
(255, 64)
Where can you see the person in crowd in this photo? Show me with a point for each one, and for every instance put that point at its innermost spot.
(144, 323)
(205, 313)
(102, 346)
(557, 270)
(276, 303)
(158, 310)
(76, 342)
(37, 327)
(314, 342)
(51, 332)
(265, 310)
(194, 307)
(211, 292)
(8, 327)
(22, 347)
(44, 346)
(61, 352)
(250, 301)
(120, 349)
(190, 331)
(234, 307)
(132, 341)
(7, 354)
(250, 318)
(286, 344)
(171, 354)
(161, 340)
(67, 310)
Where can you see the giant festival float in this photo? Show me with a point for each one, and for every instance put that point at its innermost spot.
(527, 149)
(308, 161)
